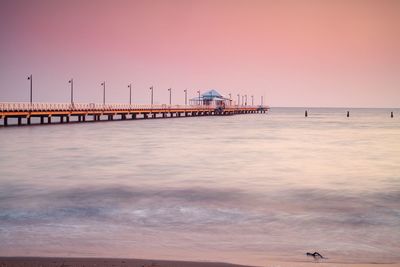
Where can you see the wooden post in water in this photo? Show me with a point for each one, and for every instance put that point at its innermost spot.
(391, 114)
(306, 114)
(348, 114)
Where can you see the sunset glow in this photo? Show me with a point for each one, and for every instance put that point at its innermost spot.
(295, 53)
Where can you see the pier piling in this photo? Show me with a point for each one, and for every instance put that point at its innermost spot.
(348, 114)
(306, 114)
(391, 114)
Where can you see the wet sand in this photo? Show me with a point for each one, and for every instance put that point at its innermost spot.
(108, 262)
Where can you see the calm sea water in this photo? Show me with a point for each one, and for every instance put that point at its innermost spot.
(244, 189)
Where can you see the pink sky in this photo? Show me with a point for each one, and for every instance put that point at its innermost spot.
(295, 53)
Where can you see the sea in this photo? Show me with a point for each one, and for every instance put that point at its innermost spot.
(246, 189)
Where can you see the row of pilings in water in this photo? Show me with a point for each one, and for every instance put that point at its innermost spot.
(347, 114)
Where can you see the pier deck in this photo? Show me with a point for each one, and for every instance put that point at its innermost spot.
(42, 113)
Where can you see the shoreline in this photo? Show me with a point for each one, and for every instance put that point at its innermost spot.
(20, 261)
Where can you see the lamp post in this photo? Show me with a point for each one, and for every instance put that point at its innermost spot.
(245, 103)
(262, 100)
(230, 99)
(238, 99)
(170, 96)
(199, 96)
(72, 90)
(252, 100)
(242, 100)
(185, 96)
(151, 89)
(104, 92)
(31, 91)
(130, 93)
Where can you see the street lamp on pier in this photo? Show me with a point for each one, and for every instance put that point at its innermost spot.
(130, 93)
(245, 103)
(199, 97)
(262, 100)
(151, 89)
(185, 96)
(170, 96)
(31, 90)
(72, 90)
(252, 100)
(104, 92)
(238, 95)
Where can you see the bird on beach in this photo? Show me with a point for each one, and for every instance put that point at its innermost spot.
(315, 255)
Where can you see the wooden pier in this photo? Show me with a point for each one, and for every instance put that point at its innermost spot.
(43, 113)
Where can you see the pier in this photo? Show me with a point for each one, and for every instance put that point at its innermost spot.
(43, 113)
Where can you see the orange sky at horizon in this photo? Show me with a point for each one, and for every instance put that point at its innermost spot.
(295, 53)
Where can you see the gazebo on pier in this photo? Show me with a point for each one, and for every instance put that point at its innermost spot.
(211, 98)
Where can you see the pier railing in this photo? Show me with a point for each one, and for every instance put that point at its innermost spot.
(28, 107)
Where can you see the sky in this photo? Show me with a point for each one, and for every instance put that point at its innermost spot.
(338, 53)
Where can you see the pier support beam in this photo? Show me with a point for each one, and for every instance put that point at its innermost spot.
(133, 116)
(391, 114)
(305, 114)
(41, 120)
(145, 116)
(28, 120)
(19, 120)
(123, 117)
(61, 119)
(49, 119)
(67, 118)
(5, 121)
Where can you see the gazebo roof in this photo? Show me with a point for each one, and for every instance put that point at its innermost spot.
(211, 94)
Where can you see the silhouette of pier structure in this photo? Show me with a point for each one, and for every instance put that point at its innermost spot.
(47, 113)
